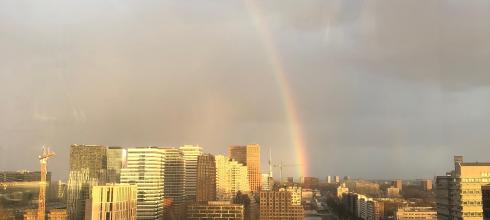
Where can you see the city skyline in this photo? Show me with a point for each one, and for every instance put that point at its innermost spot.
(320, 83)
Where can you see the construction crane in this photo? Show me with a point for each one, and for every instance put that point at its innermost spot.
(43, 159)
(281, 166)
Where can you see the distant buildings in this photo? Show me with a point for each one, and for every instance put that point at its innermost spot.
(249, 156)
(112, 202)
(279, 205)
(341, 189)
(426, 185)
(206, 178)
(310, 182)
(393, 192)
(30, 214)
(231, 177)
(190, 153)
(215, 210)
(410, 213)
(362, 206)
(459, 193)
(398, 184)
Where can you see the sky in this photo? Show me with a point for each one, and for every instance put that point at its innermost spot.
(382, 89)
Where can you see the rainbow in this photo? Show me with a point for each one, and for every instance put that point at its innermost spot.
(295, 128)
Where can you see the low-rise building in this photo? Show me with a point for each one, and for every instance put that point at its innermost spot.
(420, 213)
(215, 210)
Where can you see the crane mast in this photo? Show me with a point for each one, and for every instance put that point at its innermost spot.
(43, 159)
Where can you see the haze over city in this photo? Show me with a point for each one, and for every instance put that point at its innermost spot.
(381, 89)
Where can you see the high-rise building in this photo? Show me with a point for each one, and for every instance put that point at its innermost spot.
(426, 185)
(57, 214)
(393, 192)
(88, 167)
(112, 202)
(190, 153)
(145, 168)
(215, 210)
(278, 205)
(90, 157)
(362, 206)
(459, 194)
(249, 156)
(231, 177)
(329, 179)
(398, 184)
(173, 181)
(267, 182)
(115, 161)
(409, 213)
(336, 179)
(79, 187)
(206, 178)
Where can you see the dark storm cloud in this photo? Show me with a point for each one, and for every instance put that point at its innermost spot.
(394, 80)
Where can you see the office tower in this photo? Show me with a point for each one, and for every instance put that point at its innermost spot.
(206, 178)
(336, 179)
(409, 213)
(115, 162)
(296, 194)
(90, 157)
(173, 181)
(485, 191)
(79, 187)
(88, 167)
(215, 210)
(249, 156)
(231, 177)
(145, 168)
(398, 184)
(459, 193)
(190, 153)
(112, 202)
(426, 185)
(278, 205)
(57, 214)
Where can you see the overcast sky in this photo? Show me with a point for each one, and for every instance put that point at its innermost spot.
(384, 89)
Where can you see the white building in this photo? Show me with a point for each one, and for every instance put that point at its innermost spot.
(190, 152)
(231, 177)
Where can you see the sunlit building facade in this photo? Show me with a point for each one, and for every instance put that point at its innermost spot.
(206, 178)
(57, 214)
(190, 153)
(112, 202)
(278, 205)
(249, 156)
(215, 210)
(231, 177)
(145, 168)
(459, 194)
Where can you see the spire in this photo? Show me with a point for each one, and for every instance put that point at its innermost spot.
(270, 163)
